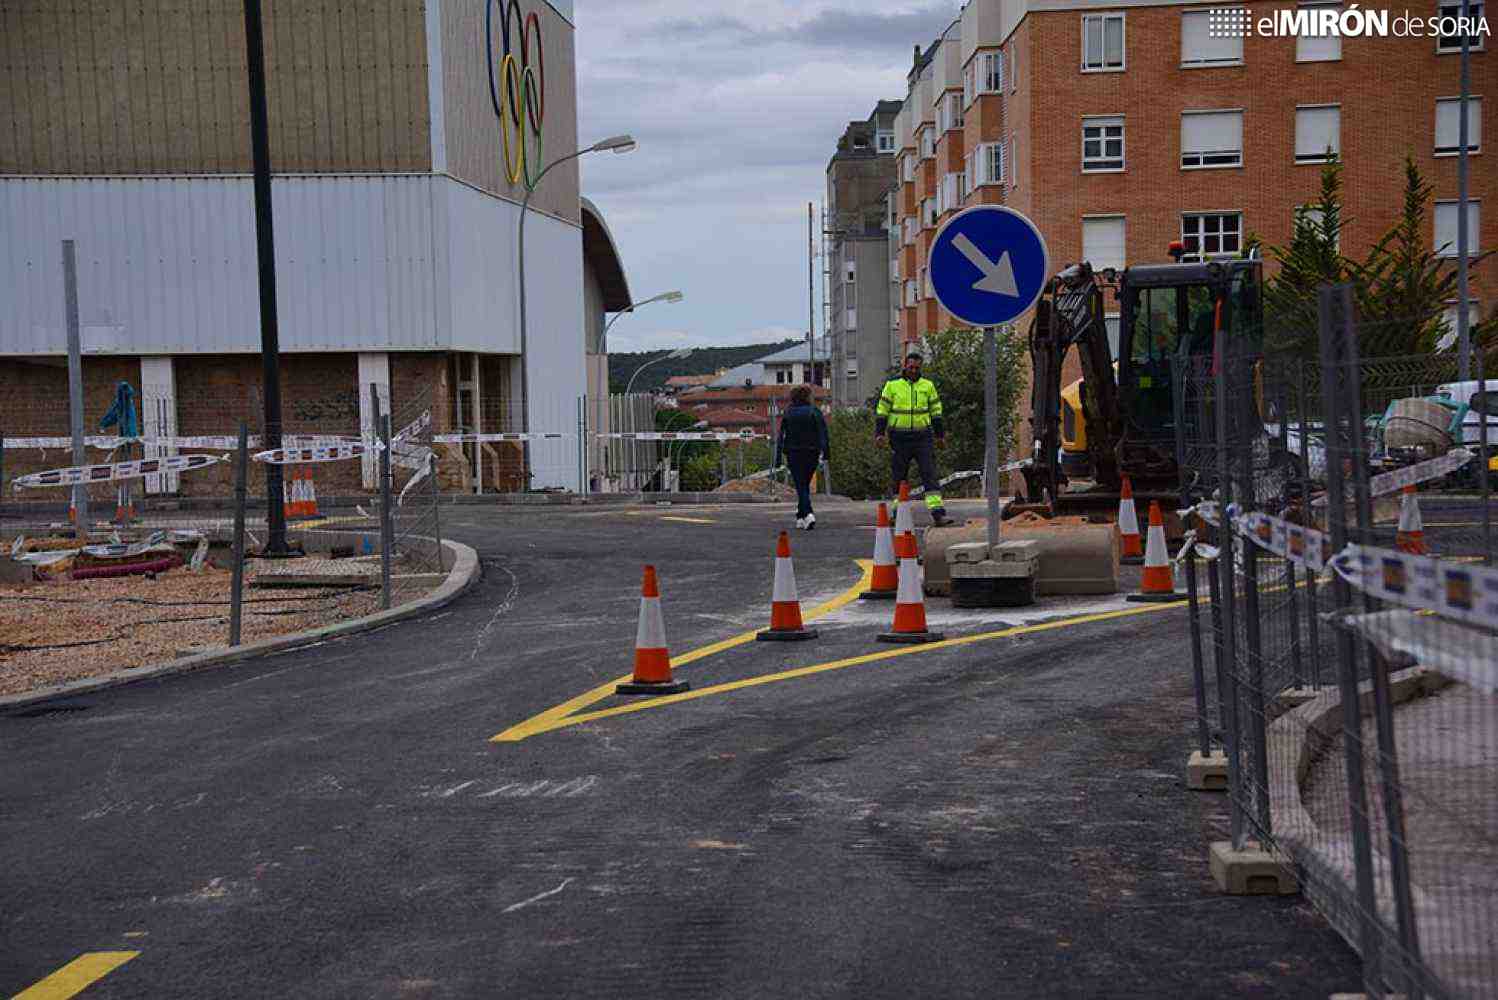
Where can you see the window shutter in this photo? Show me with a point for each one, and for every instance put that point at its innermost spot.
(1199, 46)
(1449, 125)
(1315, 130)
(1103, 242)
(1216, 130)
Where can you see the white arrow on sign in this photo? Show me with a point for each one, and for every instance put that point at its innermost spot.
(998, 278)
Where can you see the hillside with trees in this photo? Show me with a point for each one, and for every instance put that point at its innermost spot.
(702, 361)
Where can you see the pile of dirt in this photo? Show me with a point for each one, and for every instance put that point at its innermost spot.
(759, 487)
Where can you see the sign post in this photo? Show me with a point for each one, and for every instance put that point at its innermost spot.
(988, 266)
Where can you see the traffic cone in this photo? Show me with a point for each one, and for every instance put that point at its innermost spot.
(910, 604)
(886, 580)
(1410, 536)
(1157, 583)
(1128, 526)
(785, 605)
(904, 518)
(121, 514)
(652, 661)
(310, 497)
(289, 497)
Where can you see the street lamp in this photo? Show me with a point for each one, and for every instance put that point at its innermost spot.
(603, 345)
(675, 355)
(614, 143)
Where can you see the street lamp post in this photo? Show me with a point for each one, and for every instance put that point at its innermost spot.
(675, 355)
(603, 347)
(618, 144)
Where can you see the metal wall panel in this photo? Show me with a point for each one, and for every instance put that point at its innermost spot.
(168, 265)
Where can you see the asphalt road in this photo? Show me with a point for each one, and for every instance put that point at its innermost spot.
(998, 818)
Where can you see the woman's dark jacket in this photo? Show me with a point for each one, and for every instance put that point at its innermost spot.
(802, 428)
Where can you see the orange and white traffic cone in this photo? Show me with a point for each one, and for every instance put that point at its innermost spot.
(289, 497)
(910, 602)
(1410, 536)
(785, 605)
(652, 661)
(904, 514)
(1128, 526)
(885, 583)
(309, 497)
(1157, 583)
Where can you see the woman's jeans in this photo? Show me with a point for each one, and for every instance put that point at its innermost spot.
(803, 464)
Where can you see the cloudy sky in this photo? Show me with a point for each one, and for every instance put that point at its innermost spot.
(737, 105)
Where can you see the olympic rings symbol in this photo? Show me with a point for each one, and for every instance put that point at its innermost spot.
(518, 89)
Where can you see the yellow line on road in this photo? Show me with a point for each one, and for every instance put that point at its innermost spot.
(556, 718)
(77, 976)
(688, 520)
(544, 723)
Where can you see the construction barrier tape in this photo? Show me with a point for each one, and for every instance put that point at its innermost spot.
(506, 436)
(321, 453)
(1303, 546)
(421, 423)
(956, 477)
(1452, 649)
(684, 436)
(1461, 591)
(215, 442)
(116, 472)
(1411, 475)
(156, 541)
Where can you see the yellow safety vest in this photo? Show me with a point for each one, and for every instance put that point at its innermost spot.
(907, 405)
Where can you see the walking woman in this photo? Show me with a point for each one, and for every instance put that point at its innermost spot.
(802, 442)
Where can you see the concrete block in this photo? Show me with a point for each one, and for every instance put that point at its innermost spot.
(1252, 871)
(13, 571)
(1207, 772)
(1298, 696)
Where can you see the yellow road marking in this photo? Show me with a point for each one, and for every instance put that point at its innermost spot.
(557, 717)
(688, 520)
(559, 720)
(77, 975)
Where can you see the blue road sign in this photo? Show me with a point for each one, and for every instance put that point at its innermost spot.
(988, 265)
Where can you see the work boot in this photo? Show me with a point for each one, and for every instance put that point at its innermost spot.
(800, 522)
(811, 521)
(939, 517)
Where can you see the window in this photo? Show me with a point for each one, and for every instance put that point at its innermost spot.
(1446, 226)
(929, 212)
(970, 170)
(1217, 234)
(907, 167)
(1014, 68)
(1317, 129)
(780, 375)
(1103, 143)
(850, 319)
(992, 67)
(1202, 47)
(1453, 43)
(951, 194)
(1013, 162)
(926, 283)
(850, 269)
(894, 269)
(1102, 43)
(928, 142)
(994, 163)
(1318, 48)
(912, 226)
(1211, 139)
(969, 83)
(886, 142)
(1449, 125)
(860, 142)
(1103, 242)
(953, 102)
(910, 298)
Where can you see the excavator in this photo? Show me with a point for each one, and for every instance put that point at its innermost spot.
(1119, 420)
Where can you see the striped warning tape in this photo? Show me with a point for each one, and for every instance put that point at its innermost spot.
(1303, 546)
(116, 472)
(214, 441)
(684, 436)
(1411, 475)
(496, 437)
(1462, 591)
(322, 453)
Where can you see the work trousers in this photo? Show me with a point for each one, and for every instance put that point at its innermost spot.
(920, 446)
(803, 463)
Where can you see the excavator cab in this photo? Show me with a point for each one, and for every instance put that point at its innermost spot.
(1171, 311)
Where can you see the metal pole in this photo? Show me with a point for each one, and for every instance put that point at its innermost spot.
(270, 346)
(1198, 677)
(991, 429)
(811, 305)
(1484, 483)
(75, 380)
(241, 491)
(1229, 631)
(1313, 600)
(387, 531)
(1463, 237)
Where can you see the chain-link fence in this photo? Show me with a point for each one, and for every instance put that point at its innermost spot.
(1344, 641)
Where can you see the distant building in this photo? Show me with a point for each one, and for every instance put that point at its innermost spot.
(862, 323)
(677, 383)
(795, 365)
(755, 399)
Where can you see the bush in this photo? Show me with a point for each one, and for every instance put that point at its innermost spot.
(859, 468)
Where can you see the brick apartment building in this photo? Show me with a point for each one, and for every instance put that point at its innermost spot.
(396, 222)
(1119, 128)
(861, 322)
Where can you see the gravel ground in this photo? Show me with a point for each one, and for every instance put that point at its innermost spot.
(133, 621)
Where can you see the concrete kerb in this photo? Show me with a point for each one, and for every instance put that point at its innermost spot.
(465, 573)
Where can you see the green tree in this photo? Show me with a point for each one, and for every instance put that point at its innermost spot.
(1404, 285)
(860, 468)
(1312, 259)
(954, 361)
